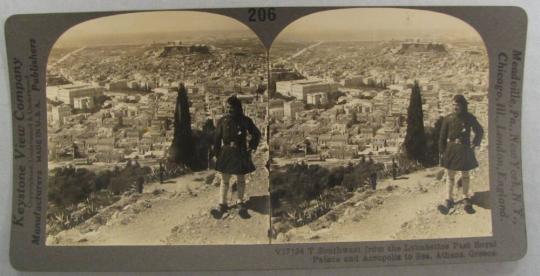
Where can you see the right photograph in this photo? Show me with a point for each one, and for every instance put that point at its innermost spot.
(378, 128)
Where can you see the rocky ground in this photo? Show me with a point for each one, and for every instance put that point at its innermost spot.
(401, 209)
(177, 212)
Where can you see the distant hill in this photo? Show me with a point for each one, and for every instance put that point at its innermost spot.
(91, 40)
(411, 47)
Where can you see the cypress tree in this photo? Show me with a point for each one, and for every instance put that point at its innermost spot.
(415, 139)
(182, 147)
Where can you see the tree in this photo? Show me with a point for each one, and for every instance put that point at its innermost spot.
(415, 139)
(182, 146)
(69, 185)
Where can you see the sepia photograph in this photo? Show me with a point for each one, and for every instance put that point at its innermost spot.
(266, 138)
(378, 122)
(156, 132)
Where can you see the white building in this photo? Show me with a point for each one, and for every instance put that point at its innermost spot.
(67, 93)
(300, 89)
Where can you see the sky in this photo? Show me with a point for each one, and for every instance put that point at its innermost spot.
(116, 27)
(368, 24)
(377, 23)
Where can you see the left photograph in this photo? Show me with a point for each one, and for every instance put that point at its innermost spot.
(156, 132)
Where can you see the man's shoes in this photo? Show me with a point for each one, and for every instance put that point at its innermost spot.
(445, 208)
(243, 211)
(218, 212)
(468, 206)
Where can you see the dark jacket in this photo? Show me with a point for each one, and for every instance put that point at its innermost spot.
(231, 145)
(455, 141)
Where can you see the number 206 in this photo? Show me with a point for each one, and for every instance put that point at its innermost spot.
(262, 14)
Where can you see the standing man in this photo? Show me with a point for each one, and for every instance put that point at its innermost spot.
(458, 150)
(233, 152)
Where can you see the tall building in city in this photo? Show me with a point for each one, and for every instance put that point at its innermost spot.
(300, 89)
(68, 93)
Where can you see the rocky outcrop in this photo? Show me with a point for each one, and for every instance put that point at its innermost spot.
(412, 47)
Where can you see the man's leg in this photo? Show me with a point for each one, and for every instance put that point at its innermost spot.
(224, 188)
(240, 188)
(218, 212)
(449, 202)
(465, 180)
(450, 181)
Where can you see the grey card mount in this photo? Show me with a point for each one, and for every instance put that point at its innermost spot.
(266, 138)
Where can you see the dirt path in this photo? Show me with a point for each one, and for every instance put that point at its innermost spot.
(176, 212)
(401, 209)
